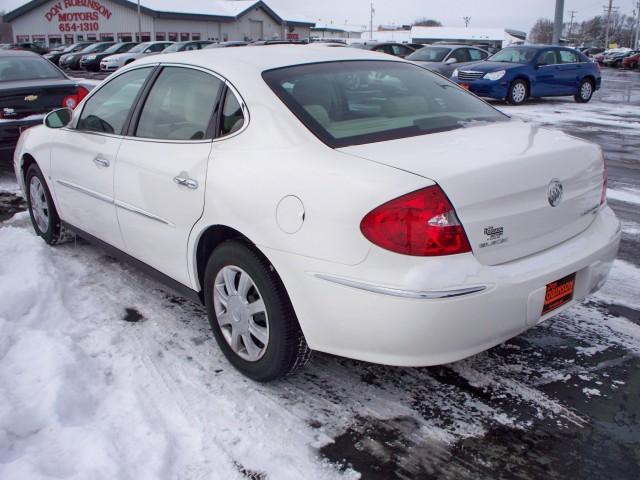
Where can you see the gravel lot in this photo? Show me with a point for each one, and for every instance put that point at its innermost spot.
(106, 375)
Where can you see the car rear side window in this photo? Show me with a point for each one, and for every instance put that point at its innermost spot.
(357, 102)
(232, 116)
(107, 110)
(476, 54)
(567, 56)
(180, 105)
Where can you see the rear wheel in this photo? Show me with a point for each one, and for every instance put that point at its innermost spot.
(518, 92)
(251, 315)
(44, 216)
(585, 91)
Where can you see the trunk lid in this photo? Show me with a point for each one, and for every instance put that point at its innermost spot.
(33, 97)
(498, 178)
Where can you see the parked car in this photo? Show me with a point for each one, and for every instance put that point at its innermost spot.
(30, 47)
(228, 44)
(631, 61)
(444, 59)
(187, 46)
(92, 61)
(258, 43)
(391, 48)
(426, 259)
(518, 73)
(114, 62)
(30, 87)
(71, 61)
(592, 51)
(615, 59)
(54, 56)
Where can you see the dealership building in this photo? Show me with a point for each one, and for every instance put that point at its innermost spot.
(57, 22)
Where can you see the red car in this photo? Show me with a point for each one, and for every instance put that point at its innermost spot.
(631, 61)
(599, 58)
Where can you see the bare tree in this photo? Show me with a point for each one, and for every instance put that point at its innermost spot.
(542, 31)
(427, 22)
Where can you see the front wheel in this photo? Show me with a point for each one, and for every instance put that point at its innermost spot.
(42, 211)
(518, 92)
(251, 315)
(585, 91)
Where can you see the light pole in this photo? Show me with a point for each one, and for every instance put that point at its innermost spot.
(139, 23)
(558, 22)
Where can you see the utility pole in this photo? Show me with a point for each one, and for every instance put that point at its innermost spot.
(558, 22)
(606, 35)
(468, 19)
(139, 23)
(573, 14)
(635, 45)
(372, 11)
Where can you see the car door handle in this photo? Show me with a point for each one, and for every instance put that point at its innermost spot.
(185, 181)
(101, 161)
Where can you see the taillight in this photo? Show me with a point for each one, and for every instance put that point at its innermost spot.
(605, 178)
(72, 101)
(421, 223)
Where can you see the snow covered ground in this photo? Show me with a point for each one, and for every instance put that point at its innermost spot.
(105, 375)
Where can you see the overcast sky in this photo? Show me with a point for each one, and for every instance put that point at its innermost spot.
(518, 14)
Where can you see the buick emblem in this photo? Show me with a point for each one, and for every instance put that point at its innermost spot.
(554, 192)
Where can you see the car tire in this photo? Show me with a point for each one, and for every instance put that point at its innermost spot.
(42, 210)
(261, 340)
(585, 91)
(518, 92)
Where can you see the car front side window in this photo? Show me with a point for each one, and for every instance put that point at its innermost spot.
(107, 110)
(547, 57)
(180, 105)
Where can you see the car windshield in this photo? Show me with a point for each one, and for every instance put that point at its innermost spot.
(114, 48)
(173, 48)
(139, 48)
(429, 54)
(16, 68)
(71, 48)
(358, 102)
(514, 55)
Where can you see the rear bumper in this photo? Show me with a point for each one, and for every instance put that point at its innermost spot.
(385, 328)
(10, 130)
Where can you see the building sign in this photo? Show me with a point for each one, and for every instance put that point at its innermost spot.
(85, 17)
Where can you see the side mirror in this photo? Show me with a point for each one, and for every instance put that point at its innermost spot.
(58, 118)
(450, 61)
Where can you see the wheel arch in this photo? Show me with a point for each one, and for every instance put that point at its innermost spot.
(207, 241)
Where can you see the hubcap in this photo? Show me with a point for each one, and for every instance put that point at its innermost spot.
(241, 313)
(39, 205)
(585, 90)
(519, 92)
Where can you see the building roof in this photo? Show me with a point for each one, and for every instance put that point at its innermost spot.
(215, 10)
(332, 27)
(462, 33)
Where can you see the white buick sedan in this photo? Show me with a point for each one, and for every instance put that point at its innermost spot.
(326, 199)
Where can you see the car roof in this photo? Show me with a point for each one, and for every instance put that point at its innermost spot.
(256, 59)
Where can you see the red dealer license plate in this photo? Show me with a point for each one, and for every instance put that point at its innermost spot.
(558, 293)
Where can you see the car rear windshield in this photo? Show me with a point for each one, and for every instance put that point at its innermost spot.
(514, 55)
(16, 68)
(429, 54)
(356, 102)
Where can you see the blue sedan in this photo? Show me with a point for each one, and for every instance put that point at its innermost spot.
(518, 73)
